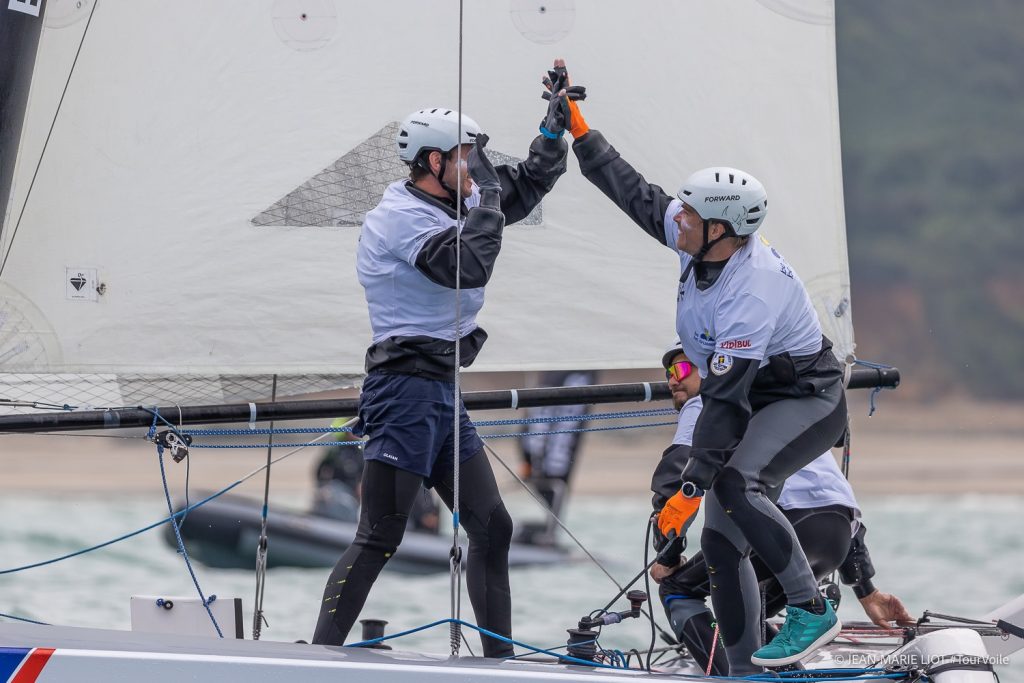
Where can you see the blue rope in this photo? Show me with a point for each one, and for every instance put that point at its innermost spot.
(806, 676)
(276, 445)
(810, 673)
(154, 525)
(177, 534)
(655, 412)
(28, 621)
(499, 435)
(585, 429)
(491, 634)
(804, 672)
(263, 431)
(877, 390)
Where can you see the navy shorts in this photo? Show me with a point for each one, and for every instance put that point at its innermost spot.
(409, 422)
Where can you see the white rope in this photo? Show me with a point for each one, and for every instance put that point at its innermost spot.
(456, 559)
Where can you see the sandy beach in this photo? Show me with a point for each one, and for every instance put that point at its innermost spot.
(955, 446)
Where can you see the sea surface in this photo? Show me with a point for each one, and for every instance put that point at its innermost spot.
(955, 555)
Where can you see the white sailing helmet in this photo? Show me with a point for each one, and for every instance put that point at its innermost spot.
(433, 129)
(727, 194)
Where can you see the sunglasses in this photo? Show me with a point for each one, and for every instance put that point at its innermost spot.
(679, 370)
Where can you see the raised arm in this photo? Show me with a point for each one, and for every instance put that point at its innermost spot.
(602, 165)
(526, 183)
(480, 240)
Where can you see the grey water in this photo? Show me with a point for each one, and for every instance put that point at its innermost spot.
(955, 555)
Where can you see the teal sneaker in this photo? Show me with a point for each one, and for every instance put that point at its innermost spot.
(803, 633)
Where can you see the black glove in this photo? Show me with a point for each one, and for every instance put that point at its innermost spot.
(483, 174)
(558, 118)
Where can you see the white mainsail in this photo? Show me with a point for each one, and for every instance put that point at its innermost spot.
(211, 161)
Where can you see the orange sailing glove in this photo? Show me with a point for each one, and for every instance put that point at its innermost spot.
(677, 515)
(577, 124)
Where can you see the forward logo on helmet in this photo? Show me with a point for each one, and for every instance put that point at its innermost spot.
(723, 198)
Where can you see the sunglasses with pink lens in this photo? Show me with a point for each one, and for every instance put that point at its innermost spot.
(680, 370)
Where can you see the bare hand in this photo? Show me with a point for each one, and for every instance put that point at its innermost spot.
(660, 572)
(883, 608)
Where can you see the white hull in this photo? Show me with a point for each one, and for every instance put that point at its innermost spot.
(93, 655)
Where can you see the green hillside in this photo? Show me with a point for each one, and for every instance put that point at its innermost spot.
(932, 108)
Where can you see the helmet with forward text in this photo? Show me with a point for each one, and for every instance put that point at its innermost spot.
(433, 129)
(728, 195)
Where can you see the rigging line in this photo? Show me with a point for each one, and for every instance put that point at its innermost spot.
(261, 547)
(176, 527)
(163, 521)
(554, 516)
(456, 559)
(578, 542)
(14, 233)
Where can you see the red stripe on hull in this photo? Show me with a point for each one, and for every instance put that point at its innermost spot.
(29, 671)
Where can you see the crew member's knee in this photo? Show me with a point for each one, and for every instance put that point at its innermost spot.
(730, 488)
(721, 554)
(499, 527)
(386, 535)
(493, 530)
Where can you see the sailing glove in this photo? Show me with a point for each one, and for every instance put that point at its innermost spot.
(563, 112)
(677, 515)
(483, 174)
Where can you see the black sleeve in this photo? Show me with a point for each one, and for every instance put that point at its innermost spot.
(857, 570)
(601, 164)
(666, 480)
(526, 183)
(723, 420)
(480, 244)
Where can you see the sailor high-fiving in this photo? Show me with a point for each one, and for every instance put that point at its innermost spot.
(426, 251)
(772, 390)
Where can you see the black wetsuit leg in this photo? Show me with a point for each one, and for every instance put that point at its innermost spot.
(741, 516)
(388, 495)
(684, 596)
(489, 527)
(824, 534)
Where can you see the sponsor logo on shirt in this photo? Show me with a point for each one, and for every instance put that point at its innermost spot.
(735, 344)
(721, 363)
(389, 456)
(704, 339)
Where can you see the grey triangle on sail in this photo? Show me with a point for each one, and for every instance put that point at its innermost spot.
(342, 193)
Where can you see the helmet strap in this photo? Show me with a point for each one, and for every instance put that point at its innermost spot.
(699, 256)
(440, 178)
(423, 161)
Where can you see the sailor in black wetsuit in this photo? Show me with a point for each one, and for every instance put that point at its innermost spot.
(772, 391)
(406, 262)
(819, 503)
